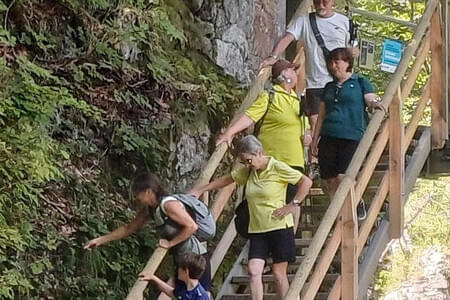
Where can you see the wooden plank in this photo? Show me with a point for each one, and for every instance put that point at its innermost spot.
(445, 61)
(244, 279)
(335, 293)
(421, 55)
(137, 290)
(237, 270)
(221, 200)
(371, 161)
(416, 117)
(371, 258)
(418, 159)
(396, 167)
(301, 74)
(377, 16)
(222, 247)
(349, 258)
(323, 264)
(437, 106)
(372, 213)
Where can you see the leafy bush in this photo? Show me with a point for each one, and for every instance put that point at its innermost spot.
(90, 93)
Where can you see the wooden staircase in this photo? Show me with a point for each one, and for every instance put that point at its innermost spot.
(236, 284)
(337, 255)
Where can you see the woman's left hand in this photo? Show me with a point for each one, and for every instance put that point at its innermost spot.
(376, 105)
(163, 243)
(284, 211)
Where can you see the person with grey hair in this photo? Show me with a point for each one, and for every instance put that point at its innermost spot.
(276, 115)
(271, 222)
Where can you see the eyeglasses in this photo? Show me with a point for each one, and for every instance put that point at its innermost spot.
(246, 162)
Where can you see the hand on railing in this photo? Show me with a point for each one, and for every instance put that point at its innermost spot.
(269, 61)
(197, 193)
(376, 104)
(146, 277)
(224, 138)
(163, 243)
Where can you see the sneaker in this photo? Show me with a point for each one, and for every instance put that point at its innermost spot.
(361, 210)
(314, 172)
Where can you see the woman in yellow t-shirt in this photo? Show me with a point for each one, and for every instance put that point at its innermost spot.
(281, 131)
(271, 223)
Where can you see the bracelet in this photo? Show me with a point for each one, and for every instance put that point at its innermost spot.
(273, 56)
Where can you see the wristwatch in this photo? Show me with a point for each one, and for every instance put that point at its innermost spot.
(273, 56)
(297, 202)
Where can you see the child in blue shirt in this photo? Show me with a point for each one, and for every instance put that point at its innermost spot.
(187, 287)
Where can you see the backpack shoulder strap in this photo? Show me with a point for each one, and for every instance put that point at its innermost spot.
(317, 35)
(258, 124)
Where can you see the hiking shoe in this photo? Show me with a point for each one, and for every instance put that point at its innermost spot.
(314, 172)
(361, 211)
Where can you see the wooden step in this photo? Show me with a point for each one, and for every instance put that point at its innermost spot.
(319, 296)
(298, 261)
(243, 279)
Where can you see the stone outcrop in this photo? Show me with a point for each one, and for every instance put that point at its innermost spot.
(431, 284)
(240, 32)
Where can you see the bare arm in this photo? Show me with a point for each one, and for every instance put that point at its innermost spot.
(318, 127)
(279, 48)
(303, 186)
(243, 122)
(162, 286)
(176, 212)
(213, 185)
(121, 232)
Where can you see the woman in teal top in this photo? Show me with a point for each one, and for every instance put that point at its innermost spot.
(271, 222)
(342, 117)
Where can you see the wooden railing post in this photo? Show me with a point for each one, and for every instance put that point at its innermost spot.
(438, 122)
(396, 166)
(349, 260)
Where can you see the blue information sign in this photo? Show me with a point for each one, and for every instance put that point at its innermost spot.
(391, 55)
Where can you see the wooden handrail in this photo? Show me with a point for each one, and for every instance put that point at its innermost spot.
(348, 181)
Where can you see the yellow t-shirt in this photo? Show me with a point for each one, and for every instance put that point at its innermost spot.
(280, 133)
(266, 192)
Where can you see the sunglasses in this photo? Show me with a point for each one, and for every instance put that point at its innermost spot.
(246, 162)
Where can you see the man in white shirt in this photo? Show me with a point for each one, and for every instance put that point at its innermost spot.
(334, 29)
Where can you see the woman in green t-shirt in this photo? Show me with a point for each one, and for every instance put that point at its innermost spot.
(271, 223)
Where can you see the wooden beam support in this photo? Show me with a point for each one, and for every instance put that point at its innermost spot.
(222, 247)
(445, 61)
(221, 200)
(349, 258)
(301, 74)
(379, 17)
(437, 104)
(324, 263)
(335, 293)
(396, 167)
(416, 117)
(371, 161)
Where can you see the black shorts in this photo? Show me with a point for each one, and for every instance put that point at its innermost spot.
(205, 279)
(312, 100)
(291, 189)
(279, 244)
(335, 155)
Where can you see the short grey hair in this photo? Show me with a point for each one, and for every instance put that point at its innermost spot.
(249, 144)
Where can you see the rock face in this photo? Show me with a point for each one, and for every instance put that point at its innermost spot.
(244, 31)
(431, 284)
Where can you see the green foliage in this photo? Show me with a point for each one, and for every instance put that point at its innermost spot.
(90, 93)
